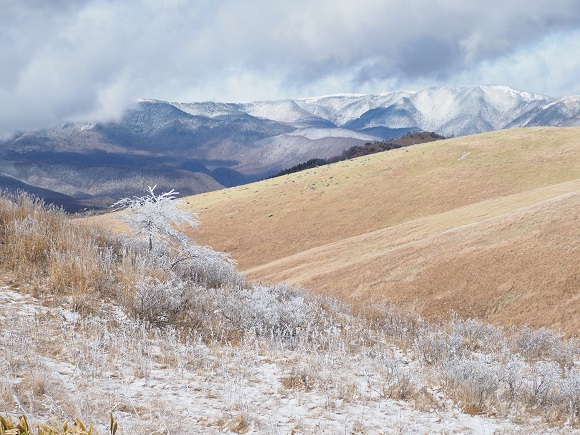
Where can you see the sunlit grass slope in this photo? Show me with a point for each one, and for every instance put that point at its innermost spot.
(485, 225)
(512, 260)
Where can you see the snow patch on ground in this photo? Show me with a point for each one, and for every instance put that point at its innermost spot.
(158, 381)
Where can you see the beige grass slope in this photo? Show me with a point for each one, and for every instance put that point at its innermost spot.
(485, 225)
(518, 266)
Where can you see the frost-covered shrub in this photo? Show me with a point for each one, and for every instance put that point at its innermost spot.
(398, 382)
(157, 301)
(157, 224)
(267, 310)
(193, 262)
(570, 387)
(227, 312)
(512, 375)
(399, 327)
(536, 345)
(543, 383)
(435, 345)
(478, 336)
(206, 266)
(475, 382)
(392, 321)
(498, 380)
(156, 217)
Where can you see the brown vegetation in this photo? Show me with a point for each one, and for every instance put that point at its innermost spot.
(483, 225)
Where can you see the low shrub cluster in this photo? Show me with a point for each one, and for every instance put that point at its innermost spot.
(165, 280)
(488, 370)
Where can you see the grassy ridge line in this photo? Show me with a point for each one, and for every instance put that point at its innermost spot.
(364, 150)
(273, 219)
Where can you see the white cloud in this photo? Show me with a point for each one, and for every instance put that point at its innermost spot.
(68, 60)
(550, 67)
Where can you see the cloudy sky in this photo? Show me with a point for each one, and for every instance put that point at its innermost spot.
(87, 59)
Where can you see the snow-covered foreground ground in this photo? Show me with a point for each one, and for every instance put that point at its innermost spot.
(55, 362)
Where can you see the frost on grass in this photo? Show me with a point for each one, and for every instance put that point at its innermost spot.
(171, 380)
(267, 310)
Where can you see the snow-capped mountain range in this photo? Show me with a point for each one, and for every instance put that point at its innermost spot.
(203, 146)
(447, 111)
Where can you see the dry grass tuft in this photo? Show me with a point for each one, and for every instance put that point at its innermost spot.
(42, 245)
(299, 379)
(239, 424)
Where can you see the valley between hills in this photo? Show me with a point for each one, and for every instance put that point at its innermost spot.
(485, 226)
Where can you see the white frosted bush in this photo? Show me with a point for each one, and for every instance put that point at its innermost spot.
(156, 301)
(204, 265)
(267, 310)
(570, 387)
(434, 345)
(543, 382)
(478, 336)
(157, 225)
(280, 311)
(157, 217)
(536, 344)
(477, 380)
(513, 376)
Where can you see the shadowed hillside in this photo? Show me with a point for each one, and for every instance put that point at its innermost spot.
(484, 225)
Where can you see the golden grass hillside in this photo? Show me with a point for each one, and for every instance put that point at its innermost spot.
(515, 262)
(169, 335)
(484, 225)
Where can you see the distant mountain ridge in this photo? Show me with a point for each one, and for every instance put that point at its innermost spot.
(197, 147)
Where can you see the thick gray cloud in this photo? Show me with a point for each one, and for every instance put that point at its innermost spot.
(63, 60)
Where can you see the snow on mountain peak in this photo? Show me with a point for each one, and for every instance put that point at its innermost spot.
(209, 109)
(280, 110)
(572, 102)
(444, 110)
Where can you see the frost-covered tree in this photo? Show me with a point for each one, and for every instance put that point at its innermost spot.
(156, 217)
(160, 220)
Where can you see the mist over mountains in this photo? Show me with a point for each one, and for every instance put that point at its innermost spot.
(199, 147)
